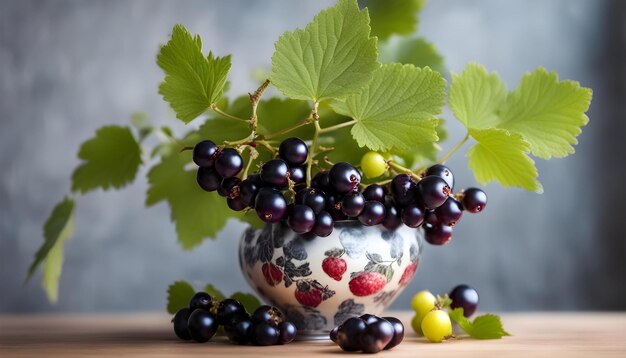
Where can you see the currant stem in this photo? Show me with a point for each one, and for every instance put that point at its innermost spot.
(404, 170)
(337, 126)
(304, 122)
(217, 110)
(454, 149)
(313, 143)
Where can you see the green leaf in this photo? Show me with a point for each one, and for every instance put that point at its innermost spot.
(178, 296)
(334, 56)
(502, 156)
(424, 154)
(487, 326)
(214, 292)
(111, 159)
(397, 109)
(394, 16)
(249, 301)
(196, 213)
(476, 95)
(276, 114)
(192, 81)
(414, 51)
(58, 228)
(548, 113)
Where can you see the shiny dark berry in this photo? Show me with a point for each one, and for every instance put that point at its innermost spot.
(430, 217)
(324, 224)
(393, 219)
(443, 172)
(297, 175)
(321, 181)
(349, 334)
(333, 334)
(201, 325)
(288, 332)
(270, 205)
(248, 190)
(275, 172)
(204, 153)
(228, 163)
(437, 234)
(333, 207)
(474, 200)
(180, 323)
(229, 309)
(315, 199)
(301, 219)
(450, 212)
(374, 192)
(208, 179)
(412, 215)
(267, 314)
(465, 297)
(373, 213)
(403, 189)
(352, 204)
(239, 329)
(377, 336)
(369, 318)
(201, 300)
(237, 203)
(398, 332)
(433, 191)
(227, 186)
(294, 151)
(265, 334)
(344, 177)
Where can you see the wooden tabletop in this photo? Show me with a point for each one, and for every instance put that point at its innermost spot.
(534, 335)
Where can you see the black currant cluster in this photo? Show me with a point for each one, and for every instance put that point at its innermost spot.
(335, 194)
(368, 333)
(201, 320)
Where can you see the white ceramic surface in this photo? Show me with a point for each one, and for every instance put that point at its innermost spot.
(304, 277)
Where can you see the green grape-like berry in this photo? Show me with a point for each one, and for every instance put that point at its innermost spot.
(423, 302)
(437, 326)
(373, 164)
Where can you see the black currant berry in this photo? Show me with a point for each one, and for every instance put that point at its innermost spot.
(204, 153)
(324, 224)
(403, 189)
(349, 334)
(294, 151)
(315, 199)
(412, 215)
(201, 325)
(226, 187)
(297, 175)
(433, 191)
(374, 192)
(301, 219)
(208, 179)
(265, 334)
(393, 219)
(465, 297)
(275, 172)
(369, 318)
(376, 336)
(239, 329)
(352, 204)
(321, 181)
(287, 332)
(398, 332)
(450, 212)
(373, 213)
(237, 203)
(201, 300)
(229, 309)
(474, 200)
(180, 323)
(437, 234)
(344, 178)
(270, 205)
(228, 163)
(267, 314)
(248, 190)
(443, 172)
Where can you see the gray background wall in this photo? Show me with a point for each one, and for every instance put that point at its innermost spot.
(68, 67)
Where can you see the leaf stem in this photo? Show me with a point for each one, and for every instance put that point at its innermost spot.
(255, 97)
(316, 134)
(304, 122)
(454, 149)
(337, 126)
(217, 110)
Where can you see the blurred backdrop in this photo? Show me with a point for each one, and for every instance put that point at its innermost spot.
(68, 67)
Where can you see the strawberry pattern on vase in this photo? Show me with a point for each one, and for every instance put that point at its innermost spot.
(320, 282)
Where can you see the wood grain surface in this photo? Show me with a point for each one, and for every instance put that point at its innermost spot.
(534, 335)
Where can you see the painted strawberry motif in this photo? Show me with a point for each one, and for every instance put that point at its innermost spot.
(308, 294)
(272, 273)
(408, 273)
(367, 283)
(334, 267)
